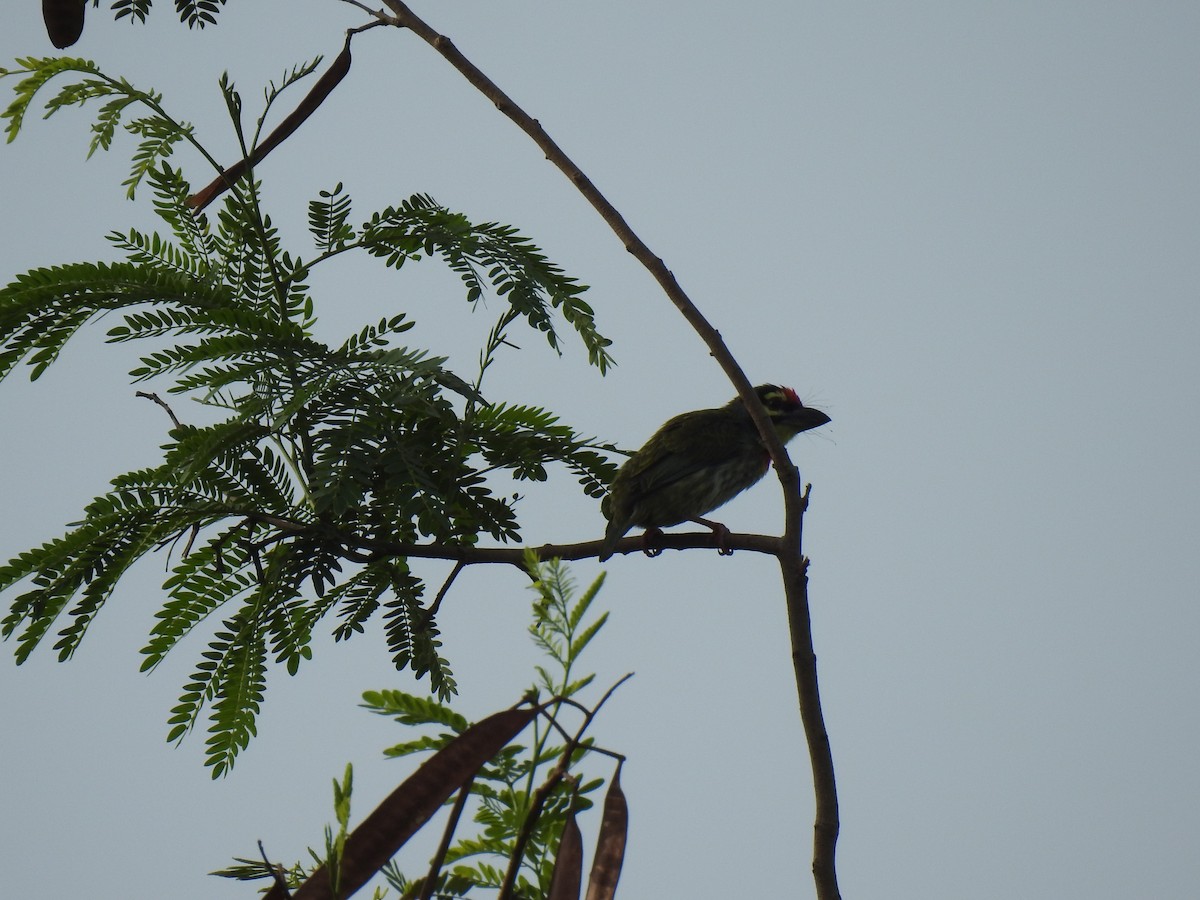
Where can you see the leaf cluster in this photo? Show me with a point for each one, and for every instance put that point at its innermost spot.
(322, 454)
(193, 13)
(525, 795)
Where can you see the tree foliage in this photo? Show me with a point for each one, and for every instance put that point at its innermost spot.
(522, 796)
(523, 799)
(193, 13)
(330, 459)
(324, 458)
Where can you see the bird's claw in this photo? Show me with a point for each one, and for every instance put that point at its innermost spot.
(720, 533)
(723, 548)
(649, 537)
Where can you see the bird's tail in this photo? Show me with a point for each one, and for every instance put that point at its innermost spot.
(612, 535)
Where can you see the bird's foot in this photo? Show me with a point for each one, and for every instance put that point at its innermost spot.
(649, 538)
(721, 533)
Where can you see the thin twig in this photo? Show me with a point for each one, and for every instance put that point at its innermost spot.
(794, 571)
(367, 550)
(280, 888)
(545, 789)
(187, 548)
(377, 13)
(435, 865)
(161, 402)
(592, 748)
(441, 595)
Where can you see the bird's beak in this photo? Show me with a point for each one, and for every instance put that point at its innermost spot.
(805, 419)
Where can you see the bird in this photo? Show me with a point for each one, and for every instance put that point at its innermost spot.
(697, 462)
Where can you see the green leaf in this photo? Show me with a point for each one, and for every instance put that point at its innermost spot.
(237, 683)
(419, 745)
(410, 709)
(40, 71)
(198, 13)
(487, 258)
(327, 220)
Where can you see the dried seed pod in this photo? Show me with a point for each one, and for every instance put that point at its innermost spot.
(64, 21)
(610, 845)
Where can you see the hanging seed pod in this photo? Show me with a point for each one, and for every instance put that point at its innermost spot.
(610, 846)
(415, 801)
(64, 21)
(568, 862)
(314, 98)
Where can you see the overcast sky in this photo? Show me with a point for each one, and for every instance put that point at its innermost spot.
(968, 232)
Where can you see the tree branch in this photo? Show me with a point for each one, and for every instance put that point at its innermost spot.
(435, 865)
(793, 569)
(406, 18)
(161, 402)
(788, 550)
(793, 565)
(367, 550)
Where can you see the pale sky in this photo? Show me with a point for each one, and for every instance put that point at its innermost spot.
(968, 232)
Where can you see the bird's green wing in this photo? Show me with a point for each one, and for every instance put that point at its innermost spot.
(685, 445)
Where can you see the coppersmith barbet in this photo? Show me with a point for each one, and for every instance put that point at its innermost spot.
(697, 462)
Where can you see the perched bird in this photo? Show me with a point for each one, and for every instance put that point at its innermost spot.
(698, 461)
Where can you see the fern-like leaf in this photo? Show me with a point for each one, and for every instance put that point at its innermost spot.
(237, 684)
(327, 220)
(38, 72)
(134, 10)
(198, 13)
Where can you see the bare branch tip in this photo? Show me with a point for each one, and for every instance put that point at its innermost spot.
(146, 395)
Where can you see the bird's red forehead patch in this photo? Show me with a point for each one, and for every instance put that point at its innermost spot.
(791, 396)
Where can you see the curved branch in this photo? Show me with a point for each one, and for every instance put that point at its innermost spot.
(161, 402)
(793, 565)
(406, 18)
(788, 550)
